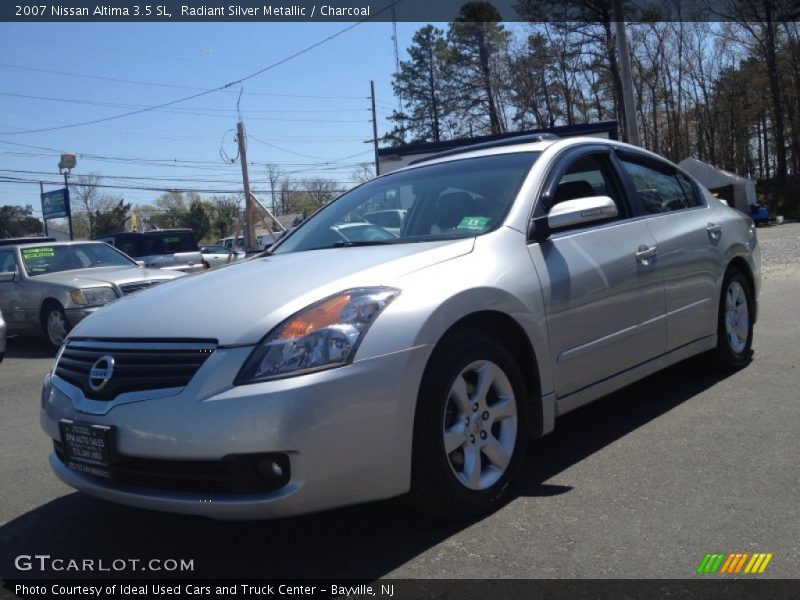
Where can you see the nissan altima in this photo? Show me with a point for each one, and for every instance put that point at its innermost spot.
(530, 276)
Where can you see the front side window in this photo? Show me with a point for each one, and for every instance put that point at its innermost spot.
(39, 260)
(456, 199)
(8, 263)
(659, 189)
(586, 177)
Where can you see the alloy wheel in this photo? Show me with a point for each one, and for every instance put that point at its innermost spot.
(480, 425)
(737, 317)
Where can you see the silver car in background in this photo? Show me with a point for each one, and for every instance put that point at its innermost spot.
(529, 278)
(2, 337)
(48, 287)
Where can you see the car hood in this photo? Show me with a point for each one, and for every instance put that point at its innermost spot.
(102, 276)
(240, 304)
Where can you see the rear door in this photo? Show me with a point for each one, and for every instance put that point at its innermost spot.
(603, 296)
(12, 300)
(688, 244)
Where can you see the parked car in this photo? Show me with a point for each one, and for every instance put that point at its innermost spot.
(759, 214)
(532, 276)
(2, 337)
(217, 256)
(391, 219)
(264, 241)
(170, 249)
(46, 288)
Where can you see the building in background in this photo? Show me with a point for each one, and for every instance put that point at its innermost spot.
(739, 192)
(394, 158)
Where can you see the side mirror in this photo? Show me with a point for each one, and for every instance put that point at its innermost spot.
(572, 213)
(581, 211)
(8, 276)
(140, 263)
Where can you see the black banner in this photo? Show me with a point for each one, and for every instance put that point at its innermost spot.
(68, 11)
(405, 589)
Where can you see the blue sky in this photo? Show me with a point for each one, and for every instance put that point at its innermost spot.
(313, 109)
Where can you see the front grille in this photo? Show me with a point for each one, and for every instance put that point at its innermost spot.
(234, 474)
(138, 365)
(129, 288)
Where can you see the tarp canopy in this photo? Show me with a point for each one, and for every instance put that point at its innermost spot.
(739, 191)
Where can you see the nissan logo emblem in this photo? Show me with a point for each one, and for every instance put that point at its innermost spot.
(101, 372)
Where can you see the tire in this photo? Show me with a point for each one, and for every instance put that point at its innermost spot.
(55, 324)
(490, 440)
(735, 320)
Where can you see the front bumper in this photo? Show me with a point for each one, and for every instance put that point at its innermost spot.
(347, 433)
(76, 315)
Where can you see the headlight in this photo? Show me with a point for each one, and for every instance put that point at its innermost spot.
(93, 296)
(322, 336)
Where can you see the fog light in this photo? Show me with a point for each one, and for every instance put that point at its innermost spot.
(269, 469)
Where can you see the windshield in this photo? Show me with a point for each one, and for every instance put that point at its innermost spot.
(39, 260)
(457, 199)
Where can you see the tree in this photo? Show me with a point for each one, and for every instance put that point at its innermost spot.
(18, 221)
(172, 207)
(422, 85)
(319, 192)
(111, 220)
(227, 212)
(197, 219)
(478, 46)
(364, 172)
(85, 196)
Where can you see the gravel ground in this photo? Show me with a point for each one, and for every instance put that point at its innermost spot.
(780, 250)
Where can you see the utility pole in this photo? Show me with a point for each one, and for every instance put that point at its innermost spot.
(374, 128)
(631, 130)
(44, 217)
(250, 229)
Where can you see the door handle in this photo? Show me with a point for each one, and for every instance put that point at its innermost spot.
(646, 254)
(714, 232)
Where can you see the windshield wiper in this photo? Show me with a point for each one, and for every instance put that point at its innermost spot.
(348, 244)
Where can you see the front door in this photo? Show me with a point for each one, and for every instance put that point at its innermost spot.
(603, 296)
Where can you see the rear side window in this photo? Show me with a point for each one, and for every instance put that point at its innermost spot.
(169, 242)
(129, 245)
(659, 188)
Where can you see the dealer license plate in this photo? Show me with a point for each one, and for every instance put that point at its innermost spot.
(87, 447)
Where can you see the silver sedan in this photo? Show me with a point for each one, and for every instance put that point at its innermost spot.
(47, 287)
(529, 278)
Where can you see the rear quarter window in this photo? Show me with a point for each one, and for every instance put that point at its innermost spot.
(170, 242)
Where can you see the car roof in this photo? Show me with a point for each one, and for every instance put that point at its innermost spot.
(52, 242)
(25, 240)
(512, 147)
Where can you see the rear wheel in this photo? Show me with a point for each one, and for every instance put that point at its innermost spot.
(470, 427)
(55, 324)
(735, 324)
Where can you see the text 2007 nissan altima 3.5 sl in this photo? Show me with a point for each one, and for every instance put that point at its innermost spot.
(527, 279)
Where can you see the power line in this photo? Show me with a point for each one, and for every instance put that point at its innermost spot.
(183, 163)
(293, 188)
(174, 86)
(172, 111)
(206, 92)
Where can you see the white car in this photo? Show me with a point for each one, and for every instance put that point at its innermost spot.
(219, 256)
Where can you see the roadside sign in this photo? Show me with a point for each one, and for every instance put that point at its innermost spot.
(55, 204)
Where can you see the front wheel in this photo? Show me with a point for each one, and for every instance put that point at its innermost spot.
(735, 322)
(55, 324)
(470, 428)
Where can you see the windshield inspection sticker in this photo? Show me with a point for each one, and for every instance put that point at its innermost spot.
(40, 252)
(473, 223)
